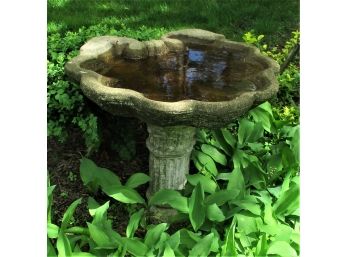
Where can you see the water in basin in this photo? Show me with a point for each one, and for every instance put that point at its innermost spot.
(200, 73)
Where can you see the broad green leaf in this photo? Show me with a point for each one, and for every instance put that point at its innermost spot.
(295, 144)
(196, 207)
(280, 232)
(248, 223)
(208, 184)
(264, 196)
(49, 202)
(245, 241)
(236, 181)
(230, 139)
(100, 237)
(134, 223)
(295, 236)
(282, 249)
(215, 246)
(201, 135)
(214, 213)
(172, 198)
(255, 176)
(135, 246)
(221, 143)
(82, 254)
(202, 248)
(256, 147)
(63, 245)
(153, 235)
(214, 153)
(52, 230)
(51, 252)
(285, 185)
(69, 213)
(229, 246)
(168, 251)
(124, 194)
(206, 161)
(284, 233)
(100, 214)
(94, 176)
(188, 238)
(137, 179)
(288, 202)
(223, 176)
(275, 191)
(268, 215)
(240, 159)
(249, 206)
(263, 114)
(262, 246)
(221, 197)
(249, 132)
(174, 240)
(92, 205)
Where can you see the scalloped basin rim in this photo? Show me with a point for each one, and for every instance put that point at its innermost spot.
(127, 102)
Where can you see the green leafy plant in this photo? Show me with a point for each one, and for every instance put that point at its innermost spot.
(263, 148)
(289, 79)
(227, 220)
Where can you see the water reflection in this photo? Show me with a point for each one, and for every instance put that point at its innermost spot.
(200, 73)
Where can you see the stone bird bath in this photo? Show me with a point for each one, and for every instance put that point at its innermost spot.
(190, 78)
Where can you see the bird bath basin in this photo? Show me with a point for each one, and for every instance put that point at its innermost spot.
(190, 78)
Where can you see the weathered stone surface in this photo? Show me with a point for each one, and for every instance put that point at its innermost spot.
(174, 44)
(126, 102)
(135, 50)
(98, 45)
(195, 36)
(170, 149)
(156, 47)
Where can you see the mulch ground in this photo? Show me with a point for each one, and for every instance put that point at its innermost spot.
(63, 160)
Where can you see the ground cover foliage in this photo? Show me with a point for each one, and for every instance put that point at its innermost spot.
(242, 195)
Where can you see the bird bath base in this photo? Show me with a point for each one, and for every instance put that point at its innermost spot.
(170, 149)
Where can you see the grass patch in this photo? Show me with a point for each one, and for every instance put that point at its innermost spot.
(276, 19)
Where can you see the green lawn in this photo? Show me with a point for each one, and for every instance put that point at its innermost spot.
(275, 19)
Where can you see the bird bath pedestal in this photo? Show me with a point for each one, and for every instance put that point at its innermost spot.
(189, 78)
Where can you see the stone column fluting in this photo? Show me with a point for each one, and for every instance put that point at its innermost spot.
(170, 149)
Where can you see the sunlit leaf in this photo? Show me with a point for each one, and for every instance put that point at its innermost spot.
(135, 246)
(282, 249)
(172, 198)
(206, 161)
(208, 184)
(63, 245)
(202, 248)
(134, 222)
(196, 207)
(69, 213)
(214, 213)
(214, 153)
(168, 251)
(124, 194)
(137, 179)
(153, 235)
(221, 197)
(52, 230)
(92, 205)
(236, 181)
